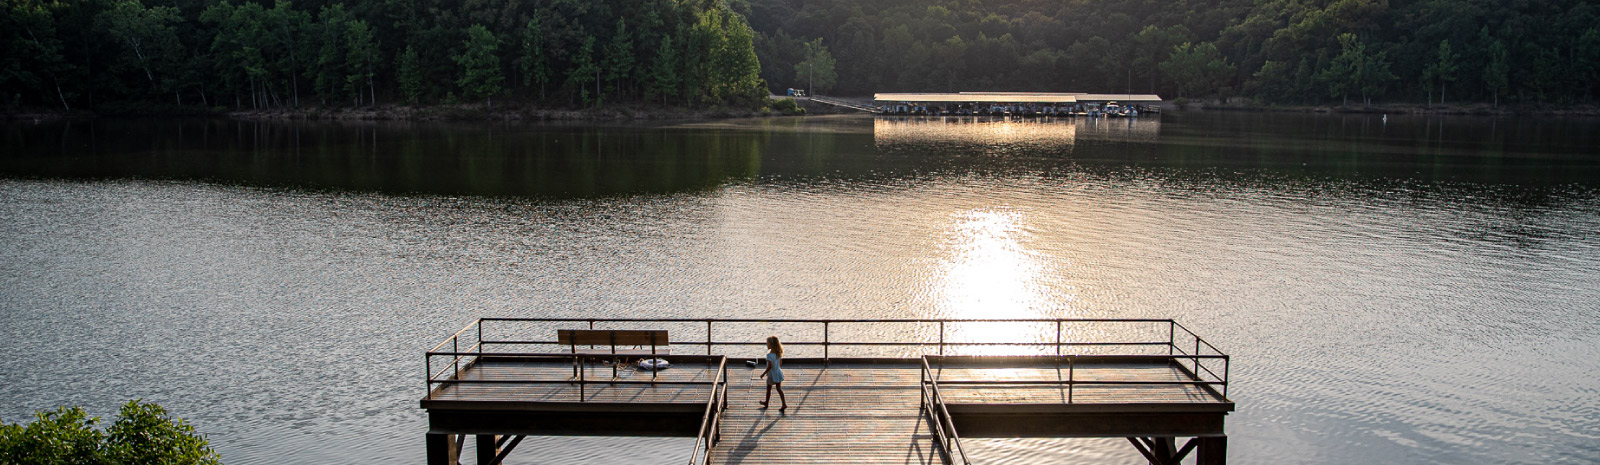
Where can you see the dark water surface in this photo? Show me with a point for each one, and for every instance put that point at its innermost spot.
(1421, 291)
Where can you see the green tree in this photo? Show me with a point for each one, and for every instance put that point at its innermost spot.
(1586, 61)
(34, 49)
(664, 71)
(619, 56)
(328, 74)
(1441, 70)
(738, 71)
(240, 45)
(1343, 74)
(411, 83)
(64, 436)
(151, 37)
(535, 59)
(1375, 75)
(584, 70)
(361, 52)
(480, 65)
(1152, 45)
(1273, 82)
(143, 433)
(817, 70)
(1497, 65)
(950, 54)
(1196, 68)
(287, 28)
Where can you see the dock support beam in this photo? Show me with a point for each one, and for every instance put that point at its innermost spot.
(1213, 450)
(1210, 450)
(488, 449)
(444, 449)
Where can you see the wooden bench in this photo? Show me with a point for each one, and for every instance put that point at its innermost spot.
(611, 339)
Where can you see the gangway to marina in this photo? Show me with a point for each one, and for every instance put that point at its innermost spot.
(860, 391)
(841, 103)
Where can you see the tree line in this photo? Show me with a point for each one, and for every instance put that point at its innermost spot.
(131, 54)
(1278, 51)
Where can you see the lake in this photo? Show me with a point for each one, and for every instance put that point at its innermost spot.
(1421, 290)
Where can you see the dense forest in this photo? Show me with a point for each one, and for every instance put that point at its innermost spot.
(134, 55)
(1278, 51)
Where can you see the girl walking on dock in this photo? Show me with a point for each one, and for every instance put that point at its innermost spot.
(774, 372)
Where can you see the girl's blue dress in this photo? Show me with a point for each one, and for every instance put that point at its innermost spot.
(776, 375)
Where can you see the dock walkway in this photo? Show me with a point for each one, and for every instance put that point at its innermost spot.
(847, 413)
(871, 410)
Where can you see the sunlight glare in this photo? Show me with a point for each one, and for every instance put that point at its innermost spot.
(990, 274)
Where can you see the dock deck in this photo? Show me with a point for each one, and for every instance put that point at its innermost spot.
(872, 410)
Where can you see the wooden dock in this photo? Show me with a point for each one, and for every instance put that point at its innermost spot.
(871, 410)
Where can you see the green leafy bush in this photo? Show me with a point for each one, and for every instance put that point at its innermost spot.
(788, 107)
(142, 434)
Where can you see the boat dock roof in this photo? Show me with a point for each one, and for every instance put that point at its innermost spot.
(1012, 97)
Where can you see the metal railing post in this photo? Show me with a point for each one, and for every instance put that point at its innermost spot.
(1058, 338)
(1196, 355)
(941, 338)
(455, 352)
(480, 336)
(708, 337)
(1225, 376)
(826, 342)
(1172, 341)
(1072, 378)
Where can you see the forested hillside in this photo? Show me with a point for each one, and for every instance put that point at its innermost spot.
(1284, 51)
(137, 55)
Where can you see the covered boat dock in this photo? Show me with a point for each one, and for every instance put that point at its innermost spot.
(1016, 104)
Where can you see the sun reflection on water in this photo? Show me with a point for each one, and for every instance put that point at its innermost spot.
(997, 135)
(990, 273)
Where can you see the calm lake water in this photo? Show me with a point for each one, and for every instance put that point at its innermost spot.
(1417, 291)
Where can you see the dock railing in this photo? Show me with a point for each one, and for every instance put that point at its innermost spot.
(843, 104)
(711, 422)
(1072, 340)
(943, 425)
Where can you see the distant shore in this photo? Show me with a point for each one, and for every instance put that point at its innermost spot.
(1467, 109)
(457, 112)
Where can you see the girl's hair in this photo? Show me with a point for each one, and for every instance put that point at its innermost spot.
(774, 346)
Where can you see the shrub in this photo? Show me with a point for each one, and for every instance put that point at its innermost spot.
(65, 436)
(788, 107)
(142, 434)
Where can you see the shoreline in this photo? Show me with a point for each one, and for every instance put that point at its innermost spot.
(1469, 109)
(637, 112)
(457, 112)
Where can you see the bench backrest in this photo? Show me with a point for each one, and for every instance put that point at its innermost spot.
(612, 337)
